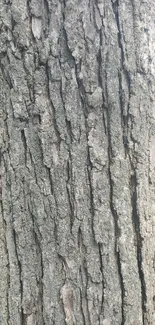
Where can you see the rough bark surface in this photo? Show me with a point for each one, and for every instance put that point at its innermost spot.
(77, 174)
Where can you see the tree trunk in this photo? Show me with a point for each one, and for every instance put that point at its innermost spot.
(77, 118)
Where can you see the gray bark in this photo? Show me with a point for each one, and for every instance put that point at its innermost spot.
(77, 125)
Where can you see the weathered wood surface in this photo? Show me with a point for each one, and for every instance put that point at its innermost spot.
(77, 147)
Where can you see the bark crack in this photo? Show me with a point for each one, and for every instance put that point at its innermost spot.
(23, 138)
(69, 191)
(84, 279)
(101, 269)
(117, 235)
(22, 315)
(38, 238)
(100, 64)
(52, 106)
(124, 72)
(115, 219)
(138, 237)
(8, 263)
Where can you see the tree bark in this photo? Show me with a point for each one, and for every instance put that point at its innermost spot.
(77, 173)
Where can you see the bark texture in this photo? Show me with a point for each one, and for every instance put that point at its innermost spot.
(77, 175)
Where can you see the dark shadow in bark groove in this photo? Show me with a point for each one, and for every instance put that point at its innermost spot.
(115, 219)
(117, 253)
(136, 225)
(99, 59)
(84, 275)
(23, 317)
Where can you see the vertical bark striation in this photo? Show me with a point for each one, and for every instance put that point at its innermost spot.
(77, 162)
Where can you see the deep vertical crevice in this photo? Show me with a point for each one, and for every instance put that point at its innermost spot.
(71, 59)
(8, 262)
(124, 116)
(114, 213)
(37, 239)
(89, 169)
(101, 269)
(41, 285)
(84, 280)
(82, 289)
(69, 134)
(122, 286)
(100, 65)
(22, 315)
(4, 68)
(5, 239)
(69, 192)
(82, 93)
(23, 138)
(50, 179)
(52, 106)
(123, 72)
(115, 7)
(40, 282)
(47, 16)
(139, 240)
(82, 311)
(117, 235)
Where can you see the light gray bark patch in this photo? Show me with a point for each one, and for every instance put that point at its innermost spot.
(36, 27)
